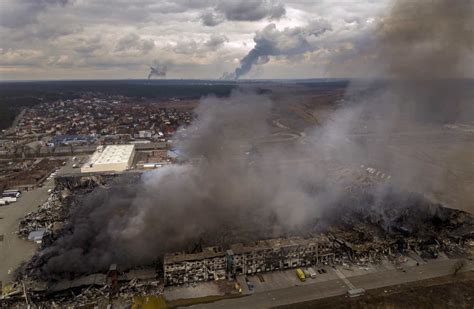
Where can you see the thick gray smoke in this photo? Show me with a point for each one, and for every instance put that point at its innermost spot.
(159, 70)
(273, 42)
(425, 50)
(232, 191)
(429, 39)
(237, 187)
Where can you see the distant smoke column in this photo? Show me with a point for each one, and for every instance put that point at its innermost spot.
(159, 70)
(273, 42)
(248, 61)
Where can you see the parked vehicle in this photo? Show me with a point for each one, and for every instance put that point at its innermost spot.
(11, 193)
(300, 274)
(9, 199)
(311, 273)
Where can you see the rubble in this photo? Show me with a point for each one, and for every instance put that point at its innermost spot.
(50, 217)
(403, 226)
(94, 289)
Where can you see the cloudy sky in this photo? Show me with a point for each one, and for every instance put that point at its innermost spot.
(98, 39)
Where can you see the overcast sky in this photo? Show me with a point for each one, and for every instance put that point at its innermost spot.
(98, 39)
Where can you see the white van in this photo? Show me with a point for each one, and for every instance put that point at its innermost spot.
(311, 272)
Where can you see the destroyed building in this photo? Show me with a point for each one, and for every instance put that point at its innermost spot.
(214, 263)
(210, 264)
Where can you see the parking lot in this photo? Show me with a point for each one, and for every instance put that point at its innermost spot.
(338, 278)
(193, 291)
(13, 250)
(287, 278)
(314, 289)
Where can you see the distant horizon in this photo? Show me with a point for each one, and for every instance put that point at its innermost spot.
(236, 81)
(180, 79)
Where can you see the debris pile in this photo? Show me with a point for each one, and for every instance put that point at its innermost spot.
(53, 214)
(401, 222)
(90, 290)
(50, 216)
(364, 229)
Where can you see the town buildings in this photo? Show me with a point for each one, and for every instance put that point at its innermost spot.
(92, 120)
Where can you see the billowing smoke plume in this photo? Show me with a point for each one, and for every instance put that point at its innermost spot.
(429, 39)
(159, 70)
(232, 191)
(238, 187)
(287, 43)
(425, 51)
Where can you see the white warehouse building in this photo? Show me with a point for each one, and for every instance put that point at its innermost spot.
(112, 158)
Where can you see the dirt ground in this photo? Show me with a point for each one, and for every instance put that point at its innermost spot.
(443, 292)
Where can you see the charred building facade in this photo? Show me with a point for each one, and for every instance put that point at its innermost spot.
(210, 264)
(215, 263)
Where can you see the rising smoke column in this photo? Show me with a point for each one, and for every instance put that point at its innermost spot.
(158, 70)
(287, 43)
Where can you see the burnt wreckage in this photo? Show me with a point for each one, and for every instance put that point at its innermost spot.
(363, 229)
(356, 236)
(215, 263)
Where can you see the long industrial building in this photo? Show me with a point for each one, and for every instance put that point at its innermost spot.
(214, 263)
(112, 158)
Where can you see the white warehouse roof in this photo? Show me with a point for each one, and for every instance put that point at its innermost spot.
(112, 154)
(110, 158)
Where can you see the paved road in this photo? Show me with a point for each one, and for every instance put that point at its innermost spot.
(13, 250)
(338, 287)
